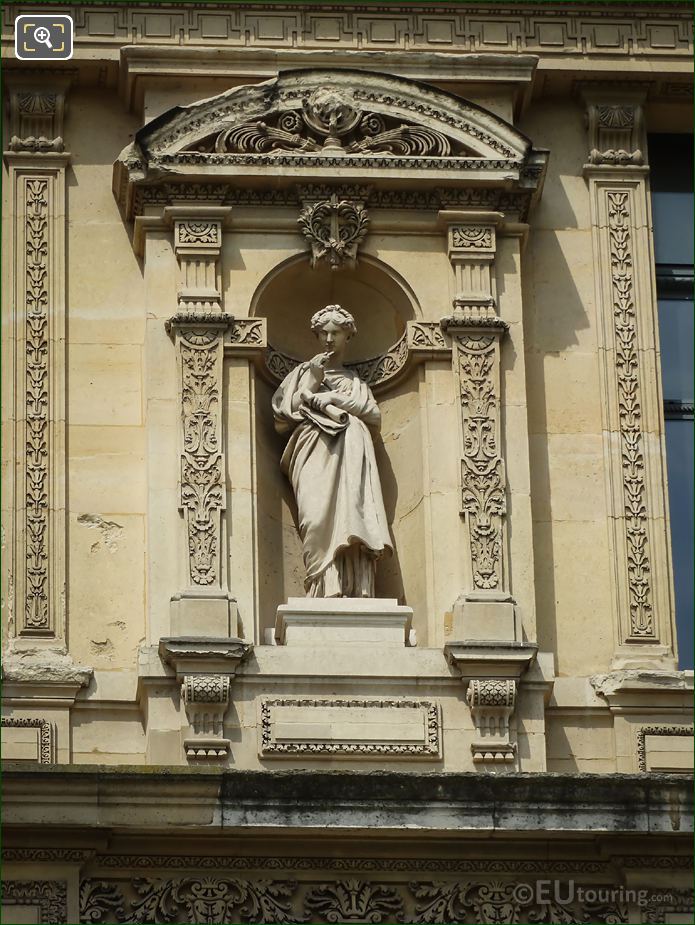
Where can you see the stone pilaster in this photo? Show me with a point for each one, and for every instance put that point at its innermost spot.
(632, 404)
(204, 606)
(476, 331)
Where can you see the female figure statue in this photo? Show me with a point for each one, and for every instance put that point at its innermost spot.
(330, 462)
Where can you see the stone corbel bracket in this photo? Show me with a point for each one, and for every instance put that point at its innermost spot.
(492, 703)
(205, 667)
(421, 341)
(491, 671)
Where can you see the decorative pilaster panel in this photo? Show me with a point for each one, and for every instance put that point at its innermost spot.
(476, 332)
(36, 593)
(477, 361)
(204, 606)
(200, 345)
(633, 428)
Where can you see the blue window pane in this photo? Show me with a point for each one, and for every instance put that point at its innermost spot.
(676, 333)
(679, 456)
(672, 215)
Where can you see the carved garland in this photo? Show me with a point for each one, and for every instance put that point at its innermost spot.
(630, 415)
(37, 616)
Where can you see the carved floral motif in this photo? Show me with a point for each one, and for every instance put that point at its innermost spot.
(36, 614)
(472, 237)
(630, 415)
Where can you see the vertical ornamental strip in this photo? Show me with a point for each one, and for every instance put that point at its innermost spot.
(633, 417)
(476, 332)
(36, 164)
(204, 607)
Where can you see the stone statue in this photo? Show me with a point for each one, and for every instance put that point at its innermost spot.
(330, 462)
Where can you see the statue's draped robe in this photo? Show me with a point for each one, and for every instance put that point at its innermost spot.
(330, 462)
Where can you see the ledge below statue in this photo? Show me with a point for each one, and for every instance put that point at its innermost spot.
(323, 621)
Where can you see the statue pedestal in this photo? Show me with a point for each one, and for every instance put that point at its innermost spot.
(330, 621)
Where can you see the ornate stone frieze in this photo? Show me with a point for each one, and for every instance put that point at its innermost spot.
(46, 745)
(171, 194)
(334, 228)
(200, 898)
(246, 335)
(50, 896)
(190, 899)
(492, 703)
(206, 699)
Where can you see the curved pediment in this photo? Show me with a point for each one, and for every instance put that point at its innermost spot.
(334, 113)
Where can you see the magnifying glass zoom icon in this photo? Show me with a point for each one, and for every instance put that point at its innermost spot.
(42, 35)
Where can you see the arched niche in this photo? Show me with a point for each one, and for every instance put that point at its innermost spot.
(380, 301)
(382, 304)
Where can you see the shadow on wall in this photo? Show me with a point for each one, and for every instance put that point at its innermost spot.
(562, 365)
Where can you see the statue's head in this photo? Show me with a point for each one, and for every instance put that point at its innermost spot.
(333, 314)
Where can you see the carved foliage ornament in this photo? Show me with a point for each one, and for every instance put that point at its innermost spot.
(482, 468)
(36, 502)
(216, 900)
(202, 494)
(334, 228)
(630, 415)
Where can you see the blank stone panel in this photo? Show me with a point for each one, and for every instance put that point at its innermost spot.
(325, 28)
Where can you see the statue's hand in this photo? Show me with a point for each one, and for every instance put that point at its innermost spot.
(317, 364)
(319, 401)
